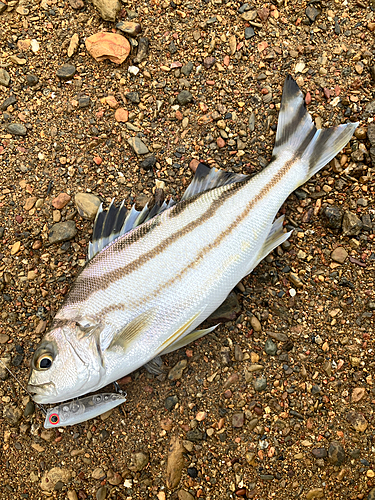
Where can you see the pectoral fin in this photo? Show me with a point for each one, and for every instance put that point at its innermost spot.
(188, 339)
(177, 335)
(132, 331)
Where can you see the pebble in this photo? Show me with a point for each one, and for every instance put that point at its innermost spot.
(339, 255)
(176, 372)
(255, 324)
(175, 462)
(29, 203)
(12, 414)
(371, 133)
(228, 311)
(4, 77)
(84, 102)
(87, 205)
(139, 147)
(66, 72)
(170, 402)
(295, 280)
(62, 231)
(315, 493)
(351, 224)
(101, 494)
(133, 97)
(29, 409)
(260, 384)
(9, 101)
(184, 97)
(281, 337)
(108, 9)
(238, 419)
(121, 115)
(332, 216)
(61, 201)
(195, 435)
(139, 460)
(142, 52)
(4, 338)
(187, 68)
(319, 452)
(312, 13)
(249, 33)
(148, 163)
(357, 421)
(358, 394)
(185, 495)
(371, 495)
(72, 495)
(129, 28)
(98, 473)
(54, 476)
(32, 80)
(336, 453)
(16, 129)
(110, 46)
(270, 347)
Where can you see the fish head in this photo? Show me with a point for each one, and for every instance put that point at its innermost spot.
(66, 364)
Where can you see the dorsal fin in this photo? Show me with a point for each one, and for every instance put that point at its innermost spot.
(207, 178)
(114, 222)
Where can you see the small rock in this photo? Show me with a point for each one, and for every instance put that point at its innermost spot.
(4, 78)
(29, 203)
(176, 372)
(187, 68)
(332, 217)
(260, 384)
(12, 414)
(133, 97)
(4, 338)
(31, 80)
(336, 453)
(108, 9)
(312, 13)
(357, 421)
(66, 72)
(54, 476)
(371, 495)
(175, 462)
(371, 133)
(315, 493)
(62, 231)
(142, 52)
(129, 28)
(110, 46)
(270, 347)
(98, 473)
(351, 224)
(148, 163)
(84, 102)
(339, 255)
(255, 324)
(357, 394)
(195, 435)
(121, 115)
(16, 129)
(238, 419)
(139, 461)
(9, 101)
(87, 205)
(170, 402)
(101, 494)
(184, 97)
(61, 201)
(209, 62)
(319, 452)
(185, 495)
(281, 337)
(29, 409)
(139, 147)
(72, 495)
(249, 33)
(73, 45)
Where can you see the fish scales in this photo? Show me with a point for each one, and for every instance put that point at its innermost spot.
(145, 292)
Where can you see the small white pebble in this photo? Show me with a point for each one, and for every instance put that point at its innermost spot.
(133, 70)
(292, 292)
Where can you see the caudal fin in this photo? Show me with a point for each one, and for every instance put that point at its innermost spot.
(296, 132)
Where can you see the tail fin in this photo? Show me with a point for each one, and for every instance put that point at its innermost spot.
(296, 131)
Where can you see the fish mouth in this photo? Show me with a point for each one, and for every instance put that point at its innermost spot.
(41, 391)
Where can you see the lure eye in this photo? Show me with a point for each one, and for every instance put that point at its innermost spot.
(54, 419)
(44, 362)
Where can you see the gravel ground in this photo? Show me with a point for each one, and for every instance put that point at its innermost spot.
(278, 401)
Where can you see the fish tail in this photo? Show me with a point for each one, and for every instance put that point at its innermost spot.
(297, 133)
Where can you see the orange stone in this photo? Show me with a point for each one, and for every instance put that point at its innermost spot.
(220, 142)
(121, 115)
(97, 160)
(60, 201)
(111, 101)
(110, 46)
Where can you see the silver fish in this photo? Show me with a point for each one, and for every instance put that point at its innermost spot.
(83, 409)
(153, 277)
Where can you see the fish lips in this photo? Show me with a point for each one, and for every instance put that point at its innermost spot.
(42, 391)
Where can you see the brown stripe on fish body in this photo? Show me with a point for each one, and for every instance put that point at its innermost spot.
(283, 171)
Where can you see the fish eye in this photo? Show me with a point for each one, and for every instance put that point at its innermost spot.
(44, 362)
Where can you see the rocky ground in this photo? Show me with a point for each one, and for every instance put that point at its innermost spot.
(278, 401)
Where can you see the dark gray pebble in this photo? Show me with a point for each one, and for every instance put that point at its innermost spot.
(312, 13)
(187, 69)
(29, 409)
(17, 360)
(133, 97)
(184, 97)
(260, 384)
(332, 216)
(336, 453)
(143, 45)
(195, 435)
(351, 224)
(170, 402)
(66, 72)
(16, 129)
(270, 347)
(62, 231)
(148, 162)
(9, 101)
(249, 33)
(32, 80)
(84, 102)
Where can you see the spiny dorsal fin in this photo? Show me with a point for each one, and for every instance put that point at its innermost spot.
(114, 222)
(207, 178)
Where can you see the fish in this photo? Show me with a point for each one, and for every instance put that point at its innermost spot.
(154, 276)
(80, 410)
